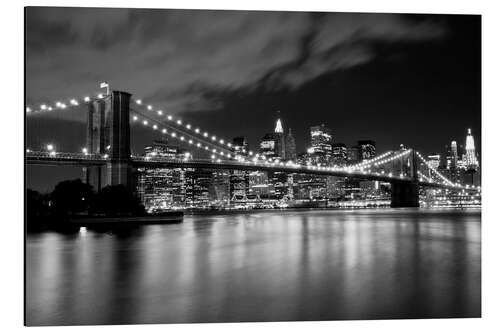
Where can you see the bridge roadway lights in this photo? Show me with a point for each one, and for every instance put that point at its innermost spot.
(404, 194)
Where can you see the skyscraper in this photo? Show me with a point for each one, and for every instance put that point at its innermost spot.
(454, 154)
(434, 160)
(240, 146)
(198, 182)
(321, 140)
(353, 155)
(267, 146)
(162, 188)
(339, 154)
(272, 145)
(471, 161)
(367, 149)
(238, 179)
(290, 147)
(320, 151)
(279, 127)
(280, 139)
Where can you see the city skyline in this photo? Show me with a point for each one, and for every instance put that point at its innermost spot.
(278, 148)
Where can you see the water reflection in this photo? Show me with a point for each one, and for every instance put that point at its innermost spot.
(293, 265)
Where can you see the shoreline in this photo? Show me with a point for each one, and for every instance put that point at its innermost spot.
(73, 224)
(195, 212)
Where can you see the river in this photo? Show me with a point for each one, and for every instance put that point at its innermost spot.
(261, 266)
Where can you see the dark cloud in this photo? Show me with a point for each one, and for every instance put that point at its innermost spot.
(161, 53)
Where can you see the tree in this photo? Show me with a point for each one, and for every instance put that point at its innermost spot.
(117, 200)
(36, 208)
(71, 197)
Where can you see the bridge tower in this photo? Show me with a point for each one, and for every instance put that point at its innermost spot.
(405, 193)
(108, 132)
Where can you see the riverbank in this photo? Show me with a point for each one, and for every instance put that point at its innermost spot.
(74, 223)
(201, 212)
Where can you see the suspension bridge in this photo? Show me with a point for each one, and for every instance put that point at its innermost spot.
(107, 150)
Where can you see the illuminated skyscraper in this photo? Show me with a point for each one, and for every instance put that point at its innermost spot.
(162, 188)
(238, 179)
(339, 154)
(366, 149)
(434, 160)
(320, 151)
(272, 145)
(280, 139)
(353, 155)
(470, 152)
(454, 154)
(267, 146)
(240, 146)
(321, 140)
(198, 182)
(279, 127)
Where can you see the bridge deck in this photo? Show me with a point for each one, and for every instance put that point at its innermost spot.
(140, 162)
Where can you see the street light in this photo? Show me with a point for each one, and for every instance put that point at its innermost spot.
(50, 147)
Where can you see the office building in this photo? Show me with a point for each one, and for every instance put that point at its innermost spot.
(471, 161)
(339, 154)
(162, 188)
(367, 150)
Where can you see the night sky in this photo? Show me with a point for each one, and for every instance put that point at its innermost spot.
(391, 78)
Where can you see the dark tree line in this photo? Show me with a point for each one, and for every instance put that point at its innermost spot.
(73, 197)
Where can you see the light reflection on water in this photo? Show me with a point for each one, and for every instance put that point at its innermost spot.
(260, 266)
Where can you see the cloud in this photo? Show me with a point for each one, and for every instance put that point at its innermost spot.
(186, 60)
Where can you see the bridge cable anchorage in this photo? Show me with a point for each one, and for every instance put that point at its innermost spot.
(220, 142)
(63, 104)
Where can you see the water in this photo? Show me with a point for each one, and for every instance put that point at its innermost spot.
(261, 266)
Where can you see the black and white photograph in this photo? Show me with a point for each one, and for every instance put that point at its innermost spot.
(231, 166)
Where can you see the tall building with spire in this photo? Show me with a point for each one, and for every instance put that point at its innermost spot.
(279, 127)
(471, 161)
(280, 139)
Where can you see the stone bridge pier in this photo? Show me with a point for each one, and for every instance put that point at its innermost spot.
(404, 194)
(108, 132)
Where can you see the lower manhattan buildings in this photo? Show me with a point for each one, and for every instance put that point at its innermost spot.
(181, 188)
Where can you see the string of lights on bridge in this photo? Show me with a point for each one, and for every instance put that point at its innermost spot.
(222, 143)
(368, 163)
(180, 137)
(446, 180)
(201, 139)
(62, 104)
(377, 161)
(424, 177)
